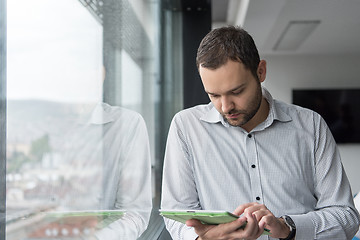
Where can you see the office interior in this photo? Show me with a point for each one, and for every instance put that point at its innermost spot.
(58, 57)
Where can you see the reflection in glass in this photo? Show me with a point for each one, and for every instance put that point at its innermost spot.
(102, 163)
(77, 167)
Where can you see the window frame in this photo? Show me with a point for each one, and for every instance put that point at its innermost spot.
(2, 118)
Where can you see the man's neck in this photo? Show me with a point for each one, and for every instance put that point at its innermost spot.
(259, 117)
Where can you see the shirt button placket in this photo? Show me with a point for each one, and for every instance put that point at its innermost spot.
(254, 171)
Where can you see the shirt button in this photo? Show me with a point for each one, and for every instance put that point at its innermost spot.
(253, 166)
(249, 136)
(258, 198)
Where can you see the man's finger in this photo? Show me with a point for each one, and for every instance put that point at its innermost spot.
(240, 209)
(200, 228)
(252, 229)
(233, 226)
(260, 214)
(193, 223)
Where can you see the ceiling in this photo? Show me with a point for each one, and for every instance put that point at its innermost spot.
(336, 32)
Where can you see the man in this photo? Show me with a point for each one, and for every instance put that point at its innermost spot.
(108, 168)
(275, 164)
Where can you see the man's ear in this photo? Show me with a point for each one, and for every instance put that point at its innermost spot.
(261, 71)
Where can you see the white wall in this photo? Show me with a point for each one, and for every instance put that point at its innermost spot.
(287, 72)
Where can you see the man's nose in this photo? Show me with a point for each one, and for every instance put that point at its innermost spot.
(226, 104)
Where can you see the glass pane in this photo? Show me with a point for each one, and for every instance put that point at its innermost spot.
(81, 97)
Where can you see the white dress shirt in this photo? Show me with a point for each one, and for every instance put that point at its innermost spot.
(289, 162)
(108, 167)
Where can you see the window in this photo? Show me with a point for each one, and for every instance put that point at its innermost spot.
(82, 96)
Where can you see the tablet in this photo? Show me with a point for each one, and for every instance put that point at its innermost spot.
(205, 216)
(90, 218)
(86, 213)
(68, 224)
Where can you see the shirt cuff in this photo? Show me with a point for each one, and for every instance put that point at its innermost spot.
(305, 228)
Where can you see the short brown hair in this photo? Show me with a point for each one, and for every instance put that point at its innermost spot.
(228, 43)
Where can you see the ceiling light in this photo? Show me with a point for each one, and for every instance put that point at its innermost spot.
(295, 34)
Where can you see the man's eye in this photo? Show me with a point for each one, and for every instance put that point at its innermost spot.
(237, 92)
(214, 96)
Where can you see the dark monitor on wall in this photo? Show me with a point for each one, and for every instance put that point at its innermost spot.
(340, 108)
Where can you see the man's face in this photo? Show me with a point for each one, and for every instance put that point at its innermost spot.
(234, 91)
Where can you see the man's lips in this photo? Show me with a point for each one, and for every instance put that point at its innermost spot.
(234, 115)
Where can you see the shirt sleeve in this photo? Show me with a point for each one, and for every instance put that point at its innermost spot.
(335, 216)
(178, 189)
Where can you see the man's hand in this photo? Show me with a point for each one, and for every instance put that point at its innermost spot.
(257, 216)
(230, 230)
(265, 219)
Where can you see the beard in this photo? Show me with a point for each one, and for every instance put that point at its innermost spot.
(245, 115)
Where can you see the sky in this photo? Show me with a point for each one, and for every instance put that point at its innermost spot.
(54, 51)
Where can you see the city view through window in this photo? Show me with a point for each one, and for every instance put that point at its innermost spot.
(80, 118)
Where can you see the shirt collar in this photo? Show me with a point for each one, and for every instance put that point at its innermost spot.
(101, 114)
(275, 113)
(211, 116)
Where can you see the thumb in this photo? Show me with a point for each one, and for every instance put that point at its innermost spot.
(193, 223)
